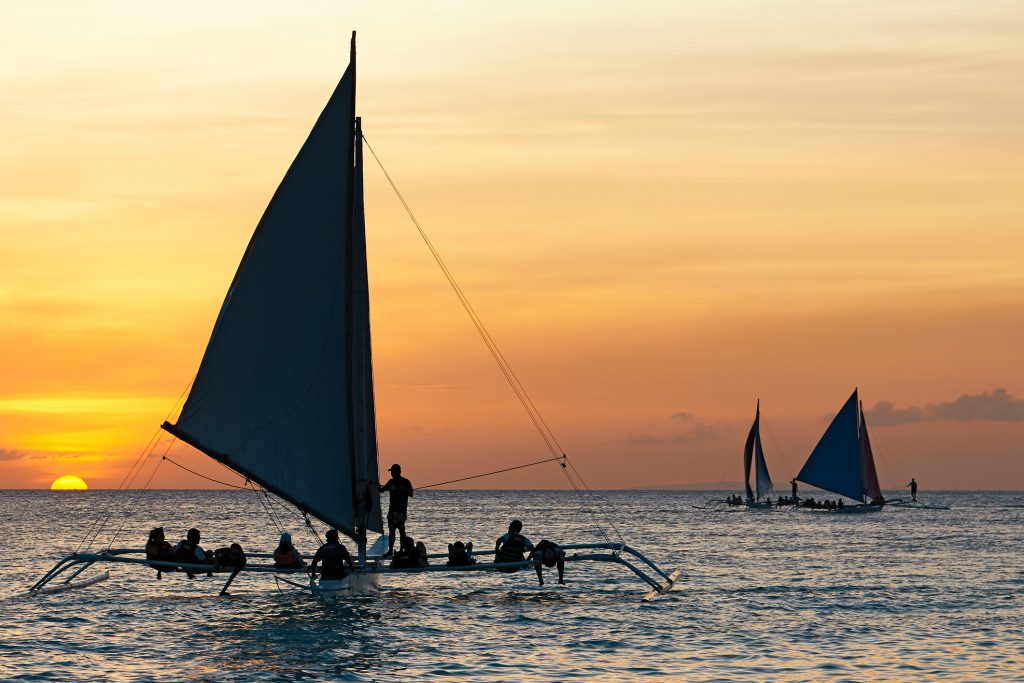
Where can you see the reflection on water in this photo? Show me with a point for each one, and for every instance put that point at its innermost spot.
(784, 596)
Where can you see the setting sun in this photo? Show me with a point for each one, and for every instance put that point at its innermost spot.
(69, 482)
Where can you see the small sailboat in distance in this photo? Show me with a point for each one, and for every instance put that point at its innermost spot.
(842, 461)
(753, 459)
(284, 395)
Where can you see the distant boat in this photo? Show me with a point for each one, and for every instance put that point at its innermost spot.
(842, 462)
(284, 395)
(753, 460)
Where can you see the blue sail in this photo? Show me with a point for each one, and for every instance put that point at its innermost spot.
(835, 463)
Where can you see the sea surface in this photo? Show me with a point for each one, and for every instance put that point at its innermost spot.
(900, 595)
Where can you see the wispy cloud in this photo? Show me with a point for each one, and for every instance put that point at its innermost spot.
(699, 432)
(9, 454)
(996, 405)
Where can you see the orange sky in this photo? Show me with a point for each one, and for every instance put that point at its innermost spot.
(663, 211)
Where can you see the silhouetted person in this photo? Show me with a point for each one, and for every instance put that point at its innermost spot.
(913, 489)
(411, 554)
(337, 563)
(460, 555)
(511, 546)
(188, 551)
(401, 491)
(792, 483)
(285, 555)
(157, 548)
(549, 555)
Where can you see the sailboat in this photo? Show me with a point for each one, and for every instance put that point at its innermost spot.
(842, 461)
(753, 455)
(284, 394)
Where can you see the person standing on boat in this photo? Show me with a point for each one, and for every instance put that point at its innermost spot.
(511, 546)
(792, 483)
(401, 491)
(337, 562)
(913, 489)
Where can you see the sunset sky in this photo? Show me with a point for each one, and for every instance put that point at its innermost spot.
(663, 211)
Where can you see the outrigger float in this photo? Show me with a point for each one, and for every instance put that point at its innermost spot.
(284, 394)
(364, 580)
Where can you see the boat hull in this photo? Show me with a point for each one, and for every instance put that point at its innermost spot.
(353, 585)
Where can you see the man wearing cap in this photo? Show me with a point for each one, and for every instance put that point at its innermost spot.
(401, 491)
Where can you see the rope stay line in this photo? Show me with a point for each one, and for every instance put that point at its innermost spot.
(94, 531)
(543, 429)
(487, 474)
(203, 476)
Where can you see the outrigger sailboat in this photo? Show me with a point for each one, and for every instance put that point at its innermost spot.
(842, 461)
(753, 460)
(753, 454)
(284, 393)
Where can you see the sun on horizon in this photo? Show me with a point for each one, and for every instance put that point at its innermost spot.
(69, 482)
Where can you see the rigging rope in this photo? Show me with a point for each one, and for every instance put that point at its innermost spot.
(487, 474)
(129, 477)
(138, 496)
(545, 432)
(203, 476)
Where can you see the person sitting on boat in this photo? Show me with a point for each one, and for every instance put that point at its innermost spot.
(878, 500)
(840, 505)
(285, 555)
(337, 563)
(411, 554)
(157, 548)
(549, 554)
(188, 551)
(460, 555)
(233, 557)
(511, 546)
(913, 489)
(401, 491)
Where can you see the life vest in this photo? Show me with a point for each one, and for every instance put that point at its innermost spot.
(287, 558)
(458, 557)
(405, 559)
(230, 557)
(186, 553)
(158, 550)
(511, 550)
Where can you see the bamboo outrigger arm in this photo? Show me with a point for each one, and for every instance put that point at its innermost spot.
(660, 583)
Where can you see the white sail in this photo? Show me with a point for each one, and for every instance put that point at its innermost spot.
(284, 393)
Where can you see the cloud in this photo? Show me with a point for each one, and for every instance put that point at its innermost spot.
(699, 432)
(684, 417)
(998, 406)
(9, 454)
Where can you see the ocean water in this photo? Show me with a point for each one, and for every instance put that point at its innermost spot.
(900, 595)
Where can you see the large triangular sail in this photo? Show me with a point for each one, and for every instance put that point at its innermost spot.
(835, 463)
(284, 393)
